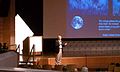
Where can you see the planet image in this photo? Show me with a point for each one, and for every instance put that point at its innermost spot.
(77, 22)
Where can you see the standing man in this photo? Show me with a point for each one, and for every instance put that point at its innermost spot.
(60, 46)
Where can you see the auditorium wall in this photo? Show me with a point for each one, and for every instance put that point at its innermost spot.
(92, 48)
(7, 26)
(84, 47)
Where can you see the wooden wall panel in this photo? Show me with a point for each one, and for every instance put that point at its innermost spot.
(7, 27)
(90, 62)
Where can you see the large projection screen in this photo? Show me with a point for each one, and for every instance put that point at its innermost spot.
(81, 18)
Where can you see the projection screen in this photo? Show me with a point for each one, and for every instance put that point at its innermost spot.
(81, 18)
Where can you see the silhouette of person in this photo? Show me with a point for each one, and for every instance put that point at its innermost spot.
(5, 47)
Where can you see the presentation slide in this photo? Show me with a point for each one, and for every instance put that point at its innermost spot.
(81, 18)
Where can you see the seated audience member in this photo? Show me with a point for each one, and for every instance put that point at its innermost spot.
(0, 47)
(5, 47)
(84, 69)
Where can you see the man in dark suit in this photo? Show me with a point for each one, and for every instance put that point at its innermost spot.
(60, 46)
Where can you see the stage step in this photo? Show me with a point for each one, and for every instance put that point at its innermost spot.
(9, 59)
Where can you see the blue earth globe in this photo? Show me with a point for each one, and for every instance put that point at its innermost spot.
(77, 22)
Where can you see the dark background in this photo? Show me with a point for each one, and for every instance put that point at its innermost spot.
(4, 7)
(32, 13)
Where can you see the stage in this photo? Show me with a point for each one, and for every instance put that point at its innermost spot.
(89, 61)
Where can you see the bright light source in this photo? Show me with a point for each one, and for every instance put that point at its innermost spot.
(22, 31)
(37, 41)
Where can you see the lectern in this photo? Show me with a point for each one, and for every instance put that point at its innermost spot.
(28, 44)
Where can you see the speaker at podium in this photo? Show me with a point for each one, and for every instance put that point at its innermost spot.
(32, 42)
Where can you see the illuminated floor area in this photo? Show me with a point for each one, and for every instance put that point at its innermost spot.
(10, 69)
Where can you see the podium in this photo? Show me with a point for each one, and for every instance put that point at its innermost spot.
(29, 43)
